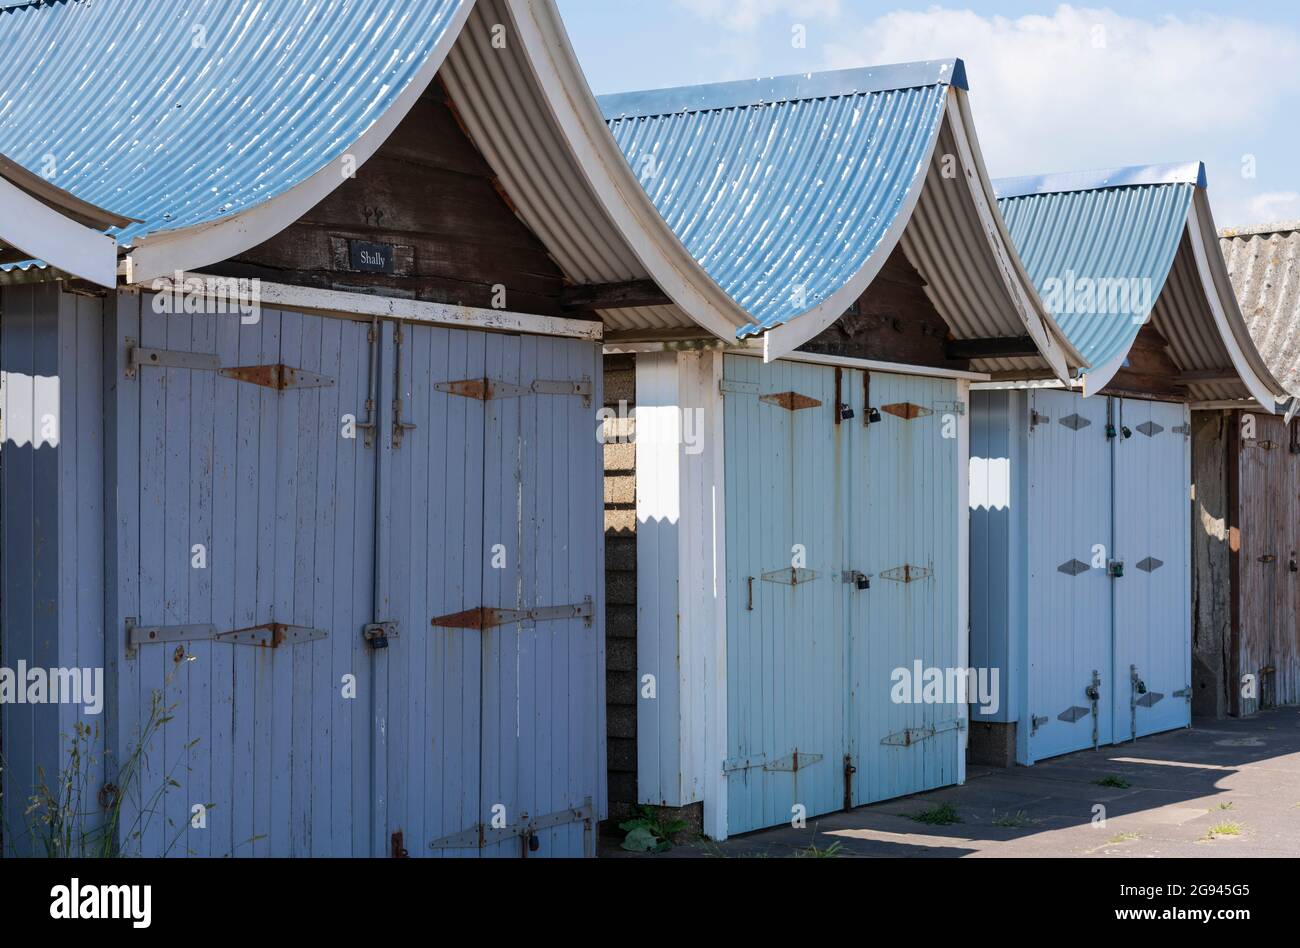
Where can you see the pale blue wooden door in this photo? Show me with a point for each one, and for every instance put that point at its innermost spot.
(785, 482)
(1152, 669)
(1070, 535)
(902, 631)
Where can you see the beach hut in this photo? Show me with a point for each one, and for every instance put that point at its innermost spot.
(1246, 470)
(311, 538)
(787, 528)
(1080, 495)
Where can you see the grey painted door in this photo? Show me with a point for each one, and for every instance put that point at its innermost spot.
(495, 684)
(243, 507)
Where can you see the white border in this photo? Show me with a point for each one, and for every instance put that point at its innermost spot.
(340, 303)
(1254, 384)
(162, 254)
(783, 340)
(575, 112)
(36, 228)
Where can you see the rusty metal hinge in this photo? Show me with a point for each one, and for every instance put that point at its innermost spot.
(790, 401)
(790, 576)
(482, 835)
(789, 764)
(279, 377)
(271, 635)
(484, 618)
(907, 411)
(907, 574)
(915, 735)
(486, 390)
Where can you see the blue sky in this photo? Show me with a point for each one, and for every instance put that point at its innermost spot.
(1054, 87)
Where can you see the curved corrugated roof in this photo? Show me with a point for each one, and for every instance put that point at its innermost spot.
(1264, 265)
(784, 203)
(1110, 251)
(791, 193)
(192, 114)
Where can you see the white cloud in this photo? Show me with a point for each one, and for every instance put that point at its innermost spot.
(1275, 206)
(748, 15)
(1085, 87)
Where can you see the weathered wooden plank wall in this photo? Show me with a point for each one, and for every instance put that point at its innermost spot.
(429, 194)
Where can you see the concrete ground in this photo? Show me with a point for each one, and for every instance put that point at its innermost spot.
(1221, 789)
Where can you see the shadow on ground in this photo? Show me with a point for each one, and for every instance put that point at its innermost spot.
(1219, 789)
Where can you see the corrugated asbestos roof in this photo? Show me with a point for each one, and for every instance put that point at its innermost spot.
(1264, 265)
(1110, 249)
(180, 113)
(790, 193)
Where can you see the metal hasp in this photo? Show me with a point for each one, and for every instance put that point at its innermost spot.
(525, 829)
(486, 390)
(484, 618)
(791, 576)
(857, 579)
(397, 847)
(1093, 691)
(1140, 698)
(1115, 569)
(1036, 722)
(378, 634)
(915, 735)
(843, 412)
(272, 635)
(907, 574)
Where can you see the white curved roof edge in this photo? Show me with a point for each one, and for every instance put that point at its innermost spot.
(808, 325)
(1259, 381)
(1033, 314)
(579, 117)
(192, 248)
(1188, 172)
(1228, 320)
(36, 228)
(1051, 340)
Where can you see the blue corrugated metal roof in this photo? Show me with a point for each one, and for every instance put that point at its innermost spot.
(183, 112)
(1099, 226)
(1191, 172)
(782, 189)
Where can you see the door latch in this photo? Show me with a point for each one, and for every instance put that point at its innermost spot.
(1115, 569)
(378, 634)
(859, 580)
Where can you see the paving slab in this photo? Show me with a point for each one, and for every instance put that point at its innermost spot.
(1220, 789)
